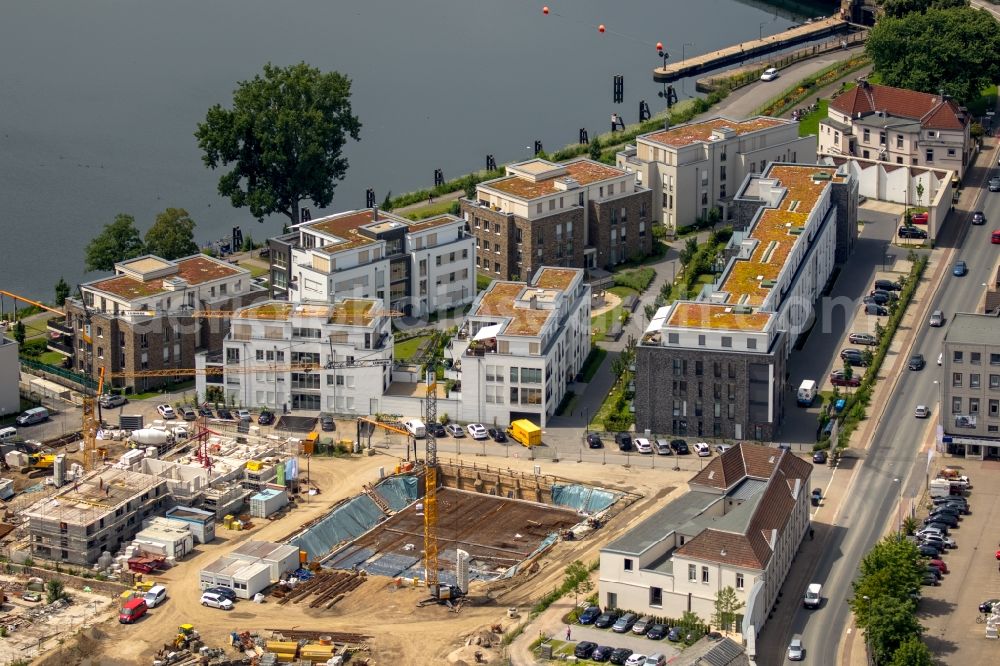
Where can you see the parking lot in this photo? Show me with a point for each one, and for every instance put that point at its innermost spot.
(638, 644)
(949, 611)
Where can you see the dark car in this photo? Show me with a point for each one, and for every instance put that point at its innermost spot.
(620, 655)
(927, 550)
(994, 184)
(946, 510)
(959, 269)
(978, 217)
(437, 430)
(819, 457)
(888, 293)
(912, 232)
(584, 649)
(917, 362)
(624, 441)
(225, 414)
(680, 447)
(934, 571)
(987, 606)
(852, 356)
(205, 411)
(961, 507)
(950, 521)
(326, 423)
(887, 285)
(602, 653)
(497, 435)
(589, 614)
(265, 418)
(605, 620)
(675, 634)
(838, 378)
(594, 441)
(876, 309)
(223, 592)
(657, 632)
(930, 579)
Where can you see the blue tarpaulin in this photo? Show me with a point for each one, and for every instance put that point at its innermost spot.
(582, 498)
(348, 521)
(399, 492)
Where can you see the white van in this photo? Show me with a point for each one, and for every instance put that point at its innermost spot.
(155, 596)
(813, 596)
(7, 434)
(32, 416)
(416, 428)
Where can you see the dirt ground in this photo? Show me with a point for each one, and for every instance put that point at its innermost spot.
(401, 633)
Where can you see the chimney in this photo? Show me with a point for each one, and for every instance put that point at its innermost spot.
(375, 213)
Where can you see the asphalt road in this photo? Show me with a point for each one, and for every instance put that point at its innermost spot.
(893, 453)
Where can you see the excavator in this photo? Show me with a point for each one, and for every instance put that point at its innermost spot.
(39, 464)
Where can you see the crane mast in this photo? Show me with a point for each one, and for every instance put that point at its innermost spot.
(430, 490)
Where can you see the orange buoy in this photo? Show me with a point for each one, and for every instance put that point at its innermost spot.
(545, 10)
(600, 28)
(659, 46)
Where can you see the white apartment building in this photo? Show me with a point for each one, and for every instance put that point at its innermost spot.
(696, 167)
(898, 126)
(412, 267)
(309, 356)
(739, 526)
(520, 345)
(10, 374)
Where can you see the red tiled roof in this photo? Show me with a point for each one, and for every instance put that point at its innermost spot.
(737, 463)
(930, 110)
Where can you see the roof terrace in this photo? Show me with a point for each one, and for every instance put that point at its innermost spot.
(691, 133)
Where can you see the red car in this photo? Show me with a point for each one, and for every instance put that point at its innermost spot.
(837, 378)
(995, 237)
(941, 566)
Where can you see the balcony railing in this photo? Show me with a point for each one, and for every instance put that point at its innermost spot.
(59, 346)
(59, 326)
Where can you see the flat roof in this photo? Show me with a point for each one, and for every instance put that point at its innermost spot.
(500, 300)
(691, 133)
(555, 278)
(431, 222)
(689, 314)
(584, 172)
(345, 227)
(93, 497)
(348, 312)
(234, 567)
(667, 520)
(264, 550)
(196, 270)
(966, 328)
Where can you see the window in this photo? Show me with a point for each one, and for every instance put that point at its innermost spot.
(538, 208)
(973, 405)
(995, 381)
(692, 573)
(701, 342)
(731, 411)
(956, 379)
(656, 596)
(513, 375)
(994, 359)
(531, 396)
(628, 564)
(974, 380)
(951, 152)
(531, 375)
(722, 173)
(699, 366)
(881, 138)
(739, 581)
(957, 357)
(994, 408)
(866, 135)
(956, 405)
(513, 395)
(930, 155)
(704, 574)
(975, 358)
(899, 140)
(727, 341)
(673, 338)
(751, 343)
(642, 210)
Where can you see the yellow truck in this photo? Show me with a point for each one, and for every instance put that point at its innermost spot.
(525, 432)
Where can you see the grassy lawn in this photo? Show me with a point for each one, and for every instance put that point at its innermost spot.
(405, 349)
(809, 123)
(51, 357)
(37, 327)
(172, 388)
(607, 408)
(430, 210)
(600, 324)
(483, 282)
(593, 363)
(256, 270)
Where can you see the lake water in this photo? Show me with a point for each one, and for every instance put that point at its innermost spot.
(99, 99)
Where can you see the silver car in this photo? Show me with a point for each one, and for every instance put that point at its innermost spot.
(937, 319)
(795, 651)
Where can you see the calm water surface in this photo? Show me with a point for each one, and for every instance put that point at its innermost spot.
(99, 99)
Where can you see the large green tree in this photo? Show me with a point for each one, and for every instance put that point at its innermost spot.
(912, 652)
(283, 136)
(727, 607)
(118, 241)
(172, 235)
(955, 51)
(892, 624)
(897, 8)
(62, 291)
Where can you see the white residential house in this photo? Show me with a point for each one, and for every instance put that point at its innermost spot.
(310, 356)
(520, 345)
(738, 526)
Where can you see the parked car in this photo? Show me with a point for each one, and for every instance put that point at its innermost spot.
(862, 339)
(675, 634)
(978, 217)
(636, 659)
(994, 184)
(930, 579)
(642, 625)
(224, 592)
(942, 567)
(770, 74)
(657, 632)
(477, 431)
(225, 414)
(852, 356)
(819, 457)
(624, 441)
(213, 600)
(662, 447)
(887, 285)
(327, 424)
(455, 430)
(722, 448)
(937, 319)
(987, 606)
(877, 297)
(112, 400)
(944, 519)
(624, 623)
(166, 411)
(584, 649)
(205, 411)
(602, 653)
(995, 237)
(916, 362)
(838, 378)
(267, 418)
(946, 510)
(680, 447)
(497, 435)
(912, 232)
(188, 414)
(702, 449)
(643, 445)
(155, 596)
(876, 309)
(959, 269)
(795, 650)
(244, 415)
(921, 412)
(620, 656)
(594, 441)
(605, 620)
(436, 429)
(945, 542)
(589, 614)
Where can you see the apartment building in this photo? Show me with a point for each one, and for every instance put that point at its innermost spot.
(520, 345)
(415, 267)
(145, 318)
(714, 365)
(580, 213)
(99, 512)
(10, 374)
(313, 356)
(897, 126)
(970, 389)
(695, 167)
(738, 526)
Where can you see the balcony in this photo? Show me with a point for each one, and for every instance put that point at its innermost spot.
(59, 326)
(60, 346)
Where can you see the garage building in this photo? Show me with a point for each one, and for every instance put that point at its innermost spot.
(244, 578)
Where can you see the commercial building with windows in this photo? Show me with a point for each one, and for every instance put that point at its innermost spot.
(970, 390)
(415, 267)
(580, 214)
(714, 366)
(898, 126)
(314, 356)
(145, 317)
(520, 346)
(696, 167)
(738, 526)
(10, 374)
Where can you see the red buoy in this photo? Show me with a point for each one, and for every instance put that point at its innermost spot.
(659, 46)
(545, 10)
(600, 28)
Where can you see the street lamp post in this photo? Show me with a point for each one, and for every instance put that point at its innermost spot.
(868, 646)
(899, 507)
